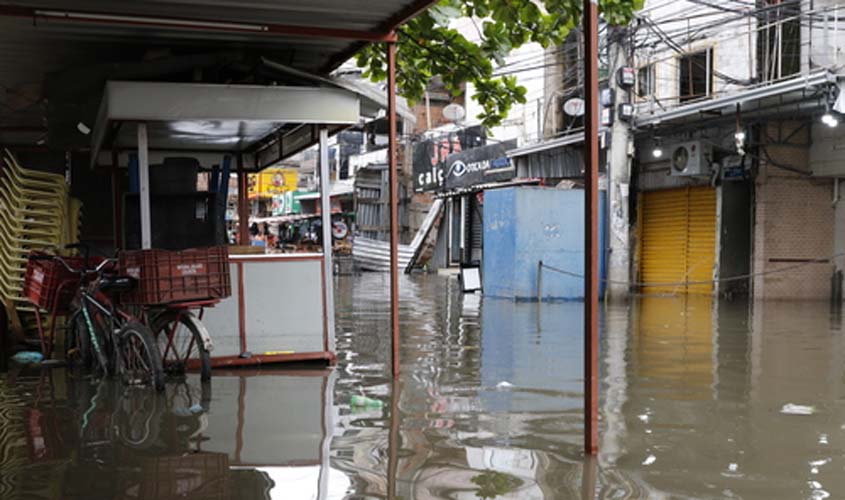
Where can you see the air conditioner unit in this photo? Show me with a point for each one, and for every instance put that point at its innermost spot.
(690, 158)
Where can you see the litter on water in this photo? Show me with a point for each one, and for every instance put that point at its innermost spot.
(364, 401)
(794, 409)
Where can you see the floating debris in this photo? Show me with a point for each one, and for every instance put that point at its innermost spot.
(365, 402)
(793, 409)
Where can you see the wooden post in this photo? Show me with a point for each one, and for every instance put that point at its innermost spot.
(394, 205)
(591, 228)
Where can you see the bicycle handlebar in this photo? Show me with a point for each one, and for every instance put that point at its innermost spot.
(85, 270)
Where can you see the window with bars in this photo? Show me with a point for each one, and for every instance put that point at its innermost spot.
(646, 81)
(778, 39)
(695, 75)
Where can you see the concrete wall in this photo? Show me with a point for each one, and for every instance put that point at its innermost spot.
(730, 42)
(525, 225)
(794, 221)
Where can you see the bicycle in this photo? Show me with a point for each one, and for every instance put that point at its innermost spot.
(103, 332)
(183, 340)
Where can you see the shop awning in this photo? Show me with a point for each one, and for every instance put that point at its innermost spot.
(343, 187)
(205, 117)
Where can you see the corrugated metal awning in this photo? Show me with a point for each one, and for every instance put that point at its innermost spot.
(164, 40)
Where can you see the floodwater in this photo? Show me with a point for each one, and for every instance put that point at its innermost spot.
(698, 400)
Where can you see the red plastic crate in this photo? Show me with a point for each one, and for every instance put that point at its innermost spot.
(47, 283)
(166, 276)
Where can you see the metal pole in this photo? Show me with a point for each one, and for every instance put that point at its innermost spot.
(243, 207)
(144, 186)
(117, 208)
(326, 218)
(394, 204)
(591, 227)
(393, 441)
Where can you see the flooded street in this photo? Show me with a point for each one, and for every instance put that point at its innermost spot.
(698, 400)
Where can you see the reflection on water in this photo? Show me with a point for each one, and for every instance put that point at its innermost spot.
(488, 406)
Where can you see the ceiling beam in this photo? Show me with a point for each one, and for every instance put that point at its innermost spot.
(193, 24)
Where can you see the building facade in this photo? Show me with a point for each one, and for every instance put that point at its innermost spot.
(722, 167)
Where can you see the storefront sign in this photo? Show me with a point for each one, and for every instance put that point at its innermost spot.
(273, 181)
(479, 166)
(287, 203)
(430, 156)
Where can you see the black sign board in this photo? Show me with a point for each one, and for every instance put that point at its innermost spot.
(430, 156)
(479, 166)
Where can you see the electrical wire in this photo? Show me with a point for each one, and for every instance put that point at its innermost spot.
(739, 277)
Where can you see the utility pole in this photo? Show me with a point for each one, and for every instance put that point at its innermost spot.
(591, 228)
(619, 178)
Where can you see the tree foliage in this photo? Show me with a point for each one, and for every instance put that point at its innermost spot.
(428, 47)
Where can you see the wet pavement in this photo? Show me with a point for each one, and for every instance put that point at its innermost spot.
(698, 400)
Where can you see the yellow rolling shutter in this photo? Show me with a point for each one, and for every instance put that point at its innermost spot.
(678, 239)
(664, 239)
(701, 241)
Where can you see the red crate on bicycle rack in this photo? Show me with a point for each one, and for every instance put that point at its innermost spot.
(167, 276)
(48, 283)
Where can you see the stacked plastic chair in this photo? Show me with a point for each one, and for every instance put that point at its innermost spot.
(36, 213)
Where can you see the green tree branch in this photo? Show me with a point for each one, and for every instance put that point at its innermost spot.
(428, 47)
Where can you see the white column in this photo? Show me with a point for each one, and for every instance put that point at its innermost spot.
(619, 181)
(326, 217)
(144, 186)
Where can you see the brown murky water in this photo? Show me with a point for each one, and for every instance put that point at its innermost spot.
(489, 406)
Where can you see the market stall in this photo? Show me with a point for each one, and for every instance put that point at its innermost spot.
(281, 307)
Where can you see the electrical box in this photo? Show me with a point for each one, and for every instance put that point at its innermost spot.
(626, 77)
(625, 112)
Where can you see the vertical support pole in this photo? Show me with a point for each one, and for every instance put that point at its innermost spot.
(591, 227)
(463, 226)
(393, 440)
(394, 204)
(243, 207)
(144, 186)
(326, 218)
(117, 213)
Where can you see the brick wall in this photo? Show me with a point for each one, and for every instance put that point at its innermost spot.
(794, 220)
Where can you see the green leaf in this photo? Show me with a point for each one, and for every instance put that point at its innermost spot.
(427, 46)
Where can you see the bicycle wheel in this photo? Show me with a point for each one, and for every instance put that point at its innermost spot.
(181, 339)
(138, 359)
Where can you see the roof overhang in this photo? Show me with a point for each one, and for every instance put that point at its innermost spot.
(753, 99)
(76, 46)
(227, 118)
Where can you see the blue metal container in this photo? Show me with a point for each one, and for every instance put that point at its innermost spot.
(526, 225)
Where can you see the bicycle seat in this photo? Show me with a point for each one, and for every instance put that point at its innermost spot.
(117, 284)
